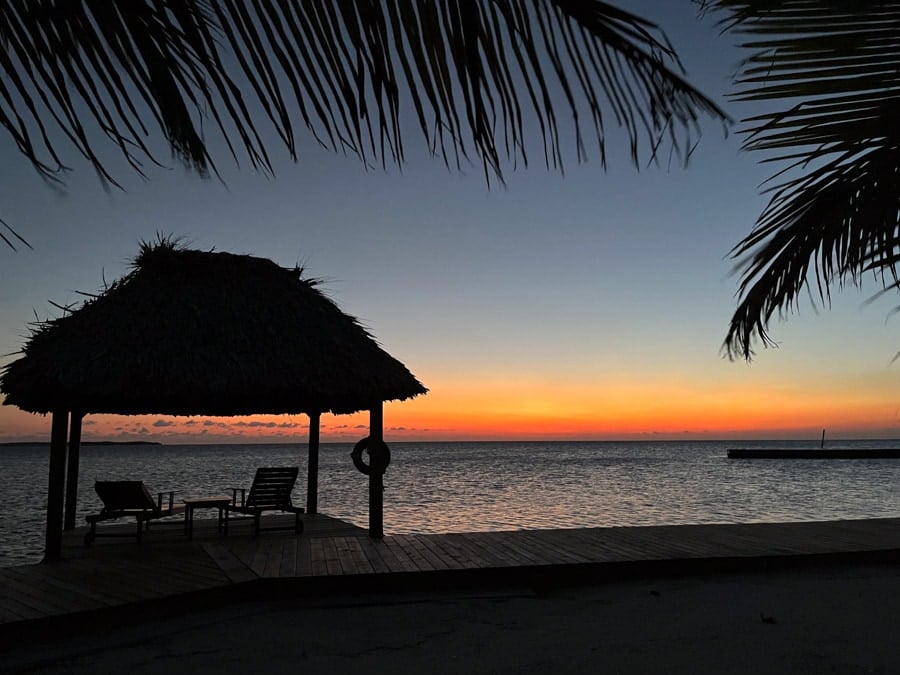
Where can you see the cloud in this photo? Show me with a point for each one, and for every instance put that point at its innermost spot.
(163, 423)
(210, 423)
(190, 423)
(264, 425)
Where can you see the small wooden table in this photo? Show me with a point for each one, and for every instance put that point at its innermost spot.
(211, 502)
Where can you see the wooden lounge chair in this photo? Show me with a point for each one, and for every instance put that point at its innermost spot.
(271, 491)
(130, 498)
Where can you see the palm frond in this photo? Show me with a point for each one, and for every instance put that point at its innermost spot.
(471, 73)
(835, 66)
(10, 236)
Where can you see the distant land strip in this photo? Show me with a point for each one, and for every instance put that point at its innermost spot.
(83, 443)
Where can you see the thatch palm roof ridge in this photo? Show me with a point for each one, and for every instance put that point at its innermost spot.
(191, 332)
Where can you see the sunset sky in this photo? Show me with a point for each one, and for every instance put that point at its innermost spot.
(586, 306)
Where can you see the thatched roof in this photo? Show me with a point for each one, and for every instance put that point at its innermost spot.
(190, 332)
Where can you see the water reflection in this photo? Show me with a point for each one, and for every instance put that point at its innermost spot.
(466, 487)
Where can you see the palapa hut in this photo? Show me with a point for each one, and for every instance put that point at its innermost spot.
(190, 332)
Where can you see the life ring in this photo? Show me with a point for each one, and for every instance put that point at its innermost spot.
(361, 466)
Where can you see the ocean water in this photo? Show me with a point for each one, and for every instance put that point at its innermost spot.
(468, 487)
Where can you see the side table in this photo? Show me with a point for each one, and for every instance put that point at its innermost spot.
(212, 502)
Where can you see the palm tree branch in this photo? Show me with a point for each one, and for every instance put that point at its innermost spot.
(832, 223)
(834, 66)
(471, 69)
(174, 57)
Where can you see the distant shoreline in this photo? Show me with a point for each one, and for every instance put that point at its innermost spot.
(34, 444)
(792, 442)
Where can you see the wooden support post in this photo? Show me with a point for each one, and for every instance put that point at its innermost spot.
(312, 466)
(56, 486)
(376, 475)
(72, 470)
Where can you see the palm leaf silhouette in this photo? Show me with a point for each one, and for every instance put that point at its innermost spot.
(472, 74)
(833, 212)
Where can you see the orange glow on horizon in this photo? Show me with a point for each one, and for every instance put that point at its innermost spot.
(535, 409)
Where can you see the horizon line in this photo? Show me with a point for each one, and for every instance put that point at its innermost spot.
(262, 441)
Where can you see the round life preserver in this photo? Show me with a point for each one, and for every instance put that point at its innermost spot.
(363, 445)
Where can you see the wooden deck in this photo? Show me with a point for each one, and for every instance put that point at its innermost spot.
(119, 579)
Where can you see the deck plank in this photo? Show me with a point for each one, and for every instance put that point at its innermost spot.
(33, 597)
(317, 557)
(376, 555)
(351, 551)
(422, 556)
(147, 574)
(288, 565)
(476, 558)
(443, 549)
(68, 585)
(304, 559)
(394, 556)
(464, 555)
(17, 610)
(274, 557)
(348, 562)
(485, 542)
(482, 548)
(332, 559)
(525, 555)
(229, 563)
(555, 551)
(115, 578)
(410, 561)
(260, 555)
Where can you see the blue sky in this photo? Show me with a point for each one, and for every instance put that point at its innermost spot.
(545, 304)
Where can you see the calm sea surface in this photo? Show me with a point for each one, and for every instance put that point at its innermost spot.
(467, 487)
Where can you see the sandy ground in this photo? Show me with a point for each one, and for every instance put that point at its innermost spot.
(827, 620)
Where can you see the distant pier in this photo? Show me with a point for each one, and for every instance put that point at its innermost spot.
(814, 453)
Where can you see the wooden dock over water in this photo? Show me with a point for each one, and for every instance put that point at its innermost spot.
(814, 453)
(118, 580)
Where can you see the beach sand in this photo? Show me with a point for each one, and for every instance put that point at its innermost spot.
(836, 619)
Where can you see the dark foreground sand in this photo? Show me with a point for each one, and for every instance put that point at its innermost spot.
(823, 620)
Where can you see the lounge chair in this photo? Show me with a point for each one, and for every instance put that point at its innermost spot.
(270, 491)
(130, 498)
